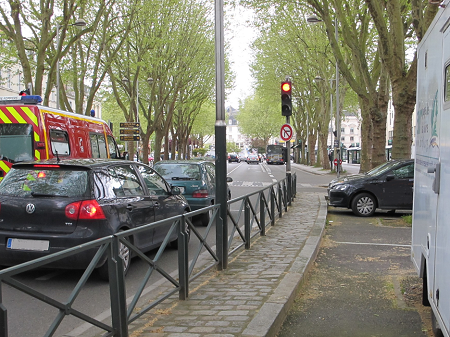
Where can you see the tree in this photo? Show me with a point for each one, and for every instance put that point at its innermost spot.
(259, 118)
(398, 23)
(33, 32)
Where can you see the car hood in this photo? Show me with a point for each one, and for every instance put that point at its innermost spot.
(352, 178)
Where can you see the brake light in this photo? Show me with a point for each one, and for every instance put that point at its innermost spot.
(46, 166)
(85, 210)
(200, 194)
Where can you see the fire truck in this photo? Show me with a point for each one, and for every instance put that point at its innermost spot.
(30, 131)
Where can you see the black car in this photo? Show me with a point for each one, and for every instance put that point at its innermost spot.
(46, 207)
(233, 157)
(388, 186)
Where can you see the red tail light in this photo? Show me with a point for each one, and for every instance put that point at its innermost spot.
(200, 194)
(85, 210)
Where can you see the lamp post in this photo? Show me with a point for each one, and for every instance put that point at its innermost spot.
(78, 23)
(313, 19)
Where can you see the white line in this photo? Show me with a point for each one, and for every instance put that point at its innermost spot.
(373, 244)
(234, 169)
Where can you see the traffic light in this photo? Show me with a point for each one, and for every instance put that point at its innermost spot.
(286, 100)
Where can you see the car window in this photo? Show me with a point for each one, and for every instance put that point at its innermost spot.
(210, 169)
(125, 180)
(59, 142)
(179, 171)
(403, 172)
(25, 182)
(155, 184)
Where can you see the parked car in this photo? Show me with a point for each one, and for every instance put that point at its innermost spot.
(233, 157)
(252, 158)
(388, 186)
(195, 179)
(46, 207)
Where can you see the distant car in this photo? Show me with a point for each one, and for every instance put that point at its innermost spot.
(195, 179)
(252, 158)
(388, 186)
(50, 206)
(233, 157)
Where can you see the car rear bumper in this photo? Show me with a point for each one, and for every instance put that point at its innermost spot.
(56, 243)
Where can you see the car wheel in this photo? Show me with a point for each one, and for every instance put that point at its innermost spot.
(125, 254)
(364, 204)
(205, 217)
(174, 243)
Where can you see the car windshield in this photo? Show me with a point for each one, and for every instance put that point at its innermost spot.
(25, 182)
(179, 171)
(382, 168)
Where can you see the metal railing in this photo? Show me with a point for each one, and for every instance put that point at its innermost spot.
(255, 211)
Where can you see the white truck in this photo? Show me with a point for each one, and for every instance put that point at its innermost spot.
(430, 250)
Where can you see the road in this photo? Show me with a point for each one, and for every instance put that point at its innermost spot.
(28, 317)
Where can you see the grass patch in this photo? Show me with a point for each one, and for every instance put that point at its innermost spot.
(407, 219)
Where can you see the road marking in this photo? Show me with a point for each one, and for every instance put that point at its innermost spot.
(373, 244)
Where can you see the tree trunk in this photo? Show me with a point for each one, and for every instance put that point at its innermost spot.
(404, 103)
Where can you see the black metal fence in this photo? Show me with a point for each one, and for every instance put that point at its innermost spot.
(251, 215)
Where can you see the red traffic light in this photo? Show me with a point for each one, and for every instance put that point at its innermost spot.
(286, 87)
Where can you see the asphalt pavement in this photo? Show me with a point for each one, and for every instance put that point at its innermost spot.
(253, 296)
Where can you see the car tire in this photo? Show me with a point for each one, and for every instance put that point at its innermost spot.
(174, 243)
(125, 254)
(205, 217)
(364, 204)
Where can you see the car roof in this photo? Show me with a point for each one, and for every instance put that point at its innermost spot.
(91, 163)
(183, 161)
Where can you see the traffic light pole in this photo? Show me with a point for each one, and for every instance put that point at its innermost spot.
(288, 166)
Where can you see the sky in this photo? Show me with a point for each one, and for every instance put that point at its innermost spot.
(240, 36)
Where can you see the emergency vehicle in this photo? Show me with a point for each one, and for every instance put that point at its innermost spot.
(431, 225)
(29, 131)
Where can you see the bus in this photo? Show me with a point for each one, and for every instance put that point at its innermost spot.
(29, 131)
(274, 154)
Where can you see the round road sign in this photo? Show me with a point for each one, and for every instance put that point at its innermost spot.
(286, 132)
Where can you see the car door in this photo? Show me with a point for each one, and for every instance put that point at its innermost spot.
(165, 204)
(397, 187)
(134, 206)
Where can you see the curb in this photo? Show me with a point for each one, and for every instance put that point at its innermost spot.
(273, 312)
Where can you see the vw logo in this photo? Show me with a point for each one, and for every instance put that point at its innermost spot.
(30, 208)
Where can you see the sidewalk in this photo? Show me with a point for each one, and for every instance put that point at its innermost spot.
(347, 169)
(253, 295)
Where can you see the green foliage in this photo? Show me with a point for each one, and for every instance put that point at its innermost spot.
(260, 117)
(232, 147)
(199, 152)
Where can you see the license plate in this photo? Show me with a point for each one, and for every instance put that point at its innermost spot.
(23, 244)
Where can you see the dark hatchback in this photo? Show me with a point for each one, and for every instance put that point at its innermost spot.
(388, 186)
(233, 157)
(46, 207)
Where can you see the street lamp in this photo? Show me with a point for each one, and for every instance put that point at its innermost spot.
(78, 23)
(313, 19)
(150, 82)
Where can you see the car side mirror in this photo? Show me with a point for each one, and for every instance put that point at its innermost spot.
(229, 179)
(390, 177)
(175, 190)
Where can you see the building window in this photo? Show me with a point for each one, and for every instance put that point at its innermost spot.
(352, 130)
(351, 139)
(343, 139)
(342, 130)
